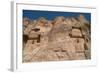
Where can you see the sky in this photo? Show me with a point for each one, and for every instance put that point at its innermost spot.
(49, 15)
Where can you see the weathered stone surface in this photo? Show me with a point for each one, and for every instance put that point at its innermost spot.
(76, 33)
(80, 56)
(56, 40)
(79, 45)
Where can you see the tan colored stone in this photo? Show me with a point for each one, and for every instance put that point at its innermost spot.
(80, 56)
(76, 33)
(59, 39)
(79, 45)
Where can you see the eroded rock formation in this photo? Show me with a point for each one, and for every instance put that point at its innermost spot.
(56, 40)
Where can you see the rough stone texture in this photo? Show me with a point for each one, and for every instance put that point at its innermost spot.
(76, 33)
(56, 40)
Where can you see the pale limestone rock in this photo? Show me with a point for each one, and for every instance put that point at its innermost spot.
(80, 56)
(76, 33)
(79, 45)
(57, 40)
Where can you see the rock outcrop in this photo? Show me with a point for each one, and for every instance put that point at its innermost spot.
(56, 40)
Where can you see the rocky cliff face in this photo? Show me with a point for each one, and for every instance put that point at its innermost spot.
(56, 40)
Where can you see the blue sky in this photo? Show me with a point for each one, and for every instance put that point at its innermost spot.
(49, 15)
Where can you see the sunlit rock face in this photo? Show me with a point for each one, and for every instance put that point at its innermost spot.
(56, 40)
